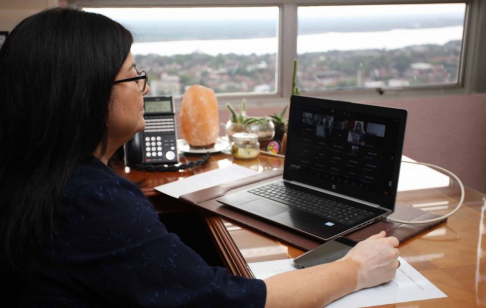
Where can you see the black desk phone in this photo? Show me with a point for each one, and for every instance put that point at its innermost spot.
(157, 143)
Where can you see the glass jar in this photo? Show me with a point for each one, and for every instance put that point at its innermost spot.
(263, 127)
(245, 146)
(234, 128)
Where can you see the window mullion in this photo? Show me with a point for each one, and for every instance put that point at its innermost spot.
(475, 64)
(287, 47)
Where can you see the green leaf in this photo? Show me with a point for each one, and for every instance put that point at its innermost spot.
(295, 89)
(250, 121)
(234, 119)
(283, 112)
(256, 120)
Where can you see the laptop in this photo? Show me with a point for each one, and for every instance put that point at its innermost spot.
(341, 169)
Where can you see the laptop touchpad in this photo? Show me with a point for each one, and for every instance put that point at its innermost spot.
(263, 207)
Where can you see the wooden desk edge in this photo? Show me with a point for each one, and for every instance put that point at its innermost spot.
(234, 260)
(149, 192)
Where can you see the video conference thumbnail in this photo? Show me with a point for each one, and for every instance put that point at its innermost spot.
(325, 124)
(338, 147)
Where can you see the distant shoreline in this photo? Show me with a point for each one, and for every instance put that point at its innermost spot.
(392, 39)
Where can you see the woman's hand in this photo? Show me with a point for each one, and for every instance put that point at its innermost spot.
(376, 259)
(369, 263)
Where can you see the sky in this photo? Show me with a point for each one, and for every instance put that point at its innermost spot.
(270, 12)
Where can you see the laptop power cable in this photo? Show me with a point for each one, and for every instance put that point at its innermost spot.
(461, 186)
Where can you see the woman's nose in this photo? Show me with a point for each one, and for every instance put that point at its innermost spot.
(147, 90)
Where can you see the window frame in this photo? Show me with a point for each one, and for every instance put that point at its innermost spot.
(472, 72)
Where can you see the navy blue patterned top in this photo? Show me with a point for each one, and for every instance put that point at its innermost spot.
(113, 250)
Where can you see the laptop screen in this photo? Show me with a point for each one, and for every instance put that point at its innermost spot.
(350, 149)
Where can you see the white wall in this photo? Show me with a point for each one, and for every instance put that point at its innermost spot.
(448, 132)
(13, 11)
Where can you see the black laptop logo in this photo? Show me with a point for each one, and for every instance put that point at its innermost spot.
(333, 186)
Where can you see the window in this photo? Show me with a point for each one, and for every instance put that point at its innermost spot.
(358, 50)
(379, 46)
(230, 50)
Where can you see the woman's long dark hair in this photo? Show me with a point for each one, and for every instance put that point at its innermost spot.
(56, 74)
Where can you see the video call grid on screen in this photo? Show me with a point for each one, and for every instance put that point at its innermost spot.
(345, 149)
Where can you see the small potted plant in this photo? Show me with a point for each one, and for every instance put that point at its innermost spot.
(241, 122)
(236, 122)
(278, 120)
(263, 127)
(279, 123)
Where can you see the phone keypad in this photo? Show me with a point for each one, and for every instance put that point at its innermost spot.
(159, 140)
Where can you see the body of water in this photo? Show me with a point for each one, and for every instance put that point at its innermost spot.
(392, 39)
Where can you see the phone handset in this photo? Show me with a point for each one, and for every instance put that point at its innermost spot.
(133, 151)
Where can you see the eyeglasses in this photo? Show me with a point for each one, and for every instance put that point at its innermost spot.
(141, 85)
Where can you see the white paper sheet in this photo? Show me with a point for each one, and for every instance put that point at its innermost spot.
(408, 285)
(205, 180)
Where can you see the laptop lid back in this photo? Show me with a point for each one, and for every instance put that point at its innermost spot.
(349, 149)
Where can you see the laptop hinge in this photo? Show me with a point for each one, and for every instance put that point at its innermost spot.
(337, 195)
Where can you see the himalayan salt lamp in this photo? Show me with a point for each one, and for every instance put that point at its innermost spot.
(199, 117)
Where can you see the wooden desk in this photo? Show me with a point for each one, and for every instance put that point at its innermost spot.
(452, 256)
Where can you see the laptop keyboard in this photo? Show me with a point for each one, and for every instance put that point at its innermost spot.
(297, 199)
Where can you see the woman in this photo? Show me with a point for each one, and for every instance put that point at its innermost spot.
(358, 128)
(74, 233)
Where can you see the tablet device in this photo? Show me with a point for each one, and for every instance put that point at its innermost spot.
(326, 253)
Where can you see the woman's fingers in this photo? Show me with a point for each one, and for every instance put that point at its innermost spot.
(393, 241)
(397, 253)
(376, 236)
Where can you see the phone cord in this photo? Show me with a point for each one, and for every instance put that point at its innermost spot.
(162, 168)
